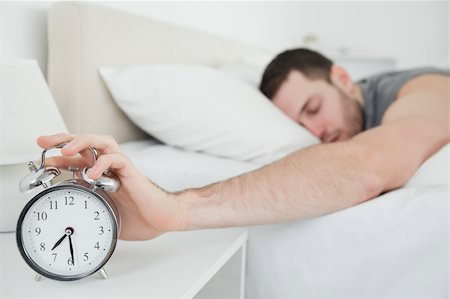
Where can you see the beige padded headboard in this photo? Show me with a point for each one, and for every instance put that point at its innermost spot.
(85, 36)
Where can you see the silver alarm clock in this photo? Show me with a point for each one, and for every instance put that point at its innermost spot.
(69, 230)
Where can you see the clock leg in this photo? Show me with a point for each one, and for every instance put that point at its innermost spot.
(38, 277)
(102, 273)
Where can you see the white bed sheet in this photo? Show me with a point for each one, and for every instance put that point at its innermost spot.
(393, 246)
(175, 169)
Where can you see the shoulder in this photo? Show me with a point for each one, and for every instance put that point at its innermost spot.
(426, 81)
(424, 97)
(382, 91)
(393, 82)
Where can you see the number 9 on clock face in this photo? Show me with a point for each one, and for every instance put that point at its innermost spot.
(68, 232)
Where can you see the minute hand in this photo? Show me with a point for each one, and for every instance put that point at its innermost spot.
(71, 249)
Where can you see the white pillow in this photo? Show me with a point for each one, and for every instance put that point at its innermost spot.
(248, 68)
(244, 73)
(201, 109)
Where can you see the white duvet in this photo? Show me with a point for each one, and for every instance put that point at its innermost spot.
(394, 246)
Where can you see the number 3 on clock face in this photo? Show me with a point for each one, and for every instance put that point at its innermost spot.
(67, 232)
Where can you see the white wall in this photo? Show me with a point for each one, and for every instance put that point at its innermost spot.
(413, 33)
(23, 30)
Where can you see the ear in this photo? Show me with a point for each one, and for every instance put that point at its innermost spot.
(341, 78)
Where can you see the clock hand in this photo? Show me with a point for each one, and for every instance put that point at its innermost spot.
(68, 232)
(59, 241)
(71, 249)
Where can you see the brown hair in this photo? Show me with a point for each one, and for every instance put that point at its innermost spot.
(310, 63)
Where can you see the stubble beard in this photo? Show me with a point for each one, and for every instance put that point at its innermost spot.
(353, 116)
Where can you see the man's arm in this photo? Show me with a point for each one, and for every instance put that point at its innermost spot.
(317, 180)
(321, 179)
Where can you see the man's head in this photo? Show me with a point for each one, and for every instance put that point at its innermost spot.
(314, 92)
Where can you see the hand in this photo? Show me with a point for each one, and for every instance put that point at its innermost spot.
(145, 210)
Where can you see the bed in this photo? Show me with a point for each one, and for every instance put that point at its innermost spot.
(393, 246)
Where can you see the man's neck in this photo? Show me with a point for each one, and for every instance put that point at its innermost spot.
(357, 94)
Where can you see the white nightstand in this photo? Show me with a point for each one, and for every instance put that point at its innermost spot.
(198, 264)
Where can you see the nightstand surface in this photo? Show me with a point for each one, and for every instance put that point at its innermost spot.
(174, 265)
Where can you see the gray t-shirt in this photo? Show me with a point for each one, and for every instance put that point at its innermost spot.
(381, 90)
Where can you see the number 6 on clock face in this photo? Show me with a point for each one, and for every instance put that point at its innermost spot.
(68, 232)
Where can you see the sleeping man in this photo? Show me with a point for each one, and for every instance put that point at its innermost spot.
(375, 134)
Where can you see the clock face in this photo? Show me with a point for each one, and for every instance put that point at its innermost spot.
(67, 232)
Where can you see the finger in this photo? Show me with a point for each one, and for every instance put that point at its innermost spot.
(102, 143)
(88, 157)
(114, 161)
(53, 140)
(66, 162)
(85, 154)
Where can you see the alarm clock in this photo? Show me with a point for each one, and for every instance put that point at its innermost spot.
(69, 230)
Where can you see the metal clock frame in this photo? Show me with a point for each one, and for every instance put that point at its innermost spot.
(85, 187)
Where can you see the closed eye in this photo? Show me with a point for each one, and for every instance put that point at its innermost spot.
(313, 105)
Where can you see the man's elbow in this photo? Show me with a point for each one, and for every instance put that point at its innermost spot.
(384, 174)
(374, 184)
(392, 163)
(381, 174)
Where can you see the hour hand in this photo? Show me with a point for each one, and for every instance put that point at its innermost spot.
(59, 241)
(68, 232)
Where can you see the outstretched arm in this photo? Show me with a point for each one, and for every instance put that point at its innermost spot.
(314, 181)
(317, 180)
(311, 182)
(330, 177)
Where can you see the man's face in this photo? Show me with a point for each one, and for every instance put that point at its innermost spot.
(323, 108)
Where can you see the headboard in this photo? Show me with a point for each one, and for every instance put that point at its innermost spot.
(83, 37)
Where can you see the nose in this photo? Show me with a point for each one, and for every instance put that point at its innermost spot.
(315, 127)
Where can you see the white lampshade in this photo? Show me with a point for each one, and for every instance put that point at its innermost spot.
(27, 110)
